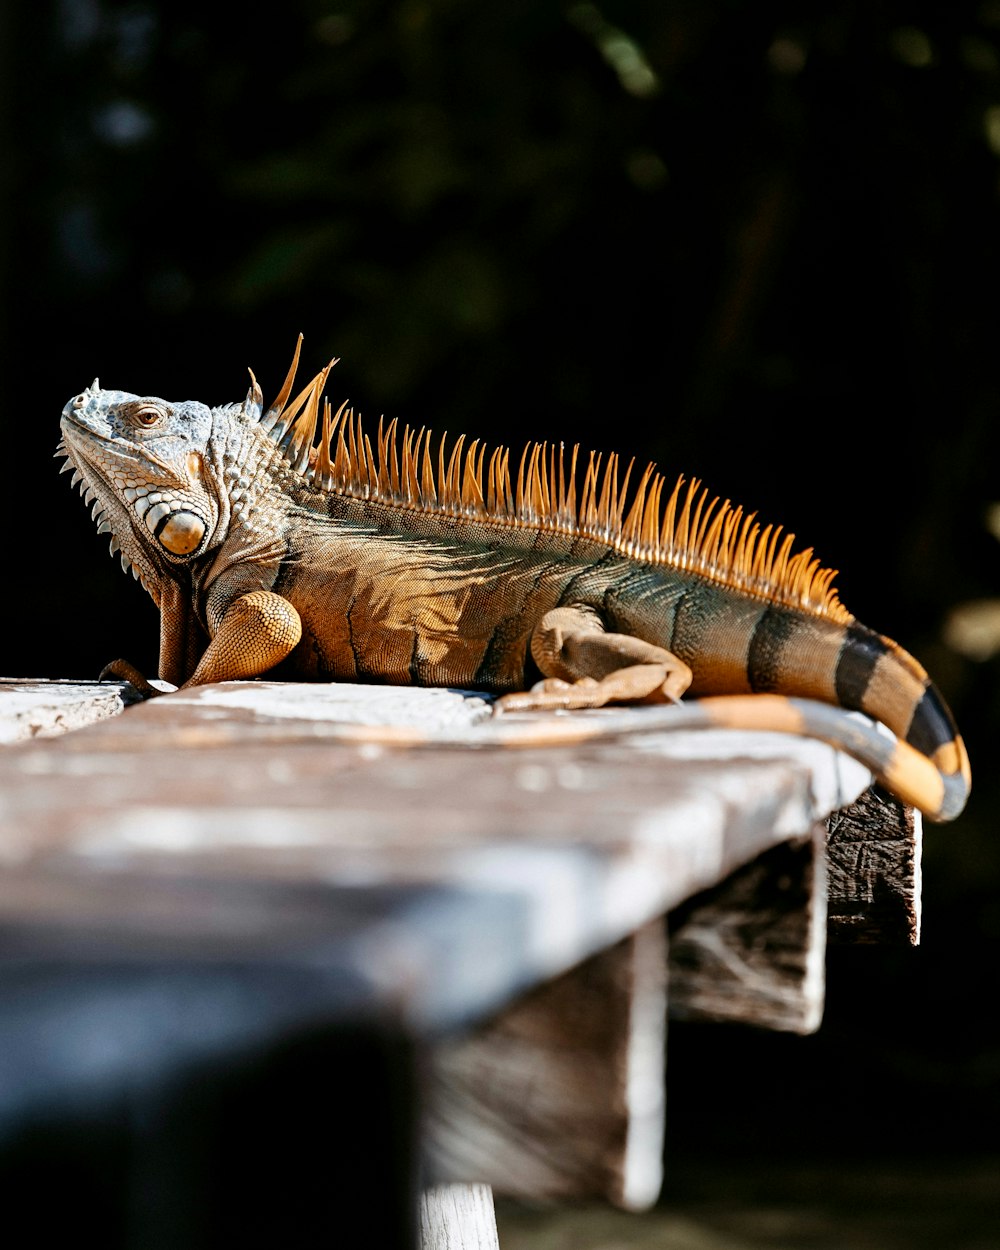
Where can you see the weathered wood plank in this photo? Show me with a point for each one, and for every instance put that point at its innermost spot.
(562, 1095)
(593, 840)
(874, 880)
(458, 1217)
(424, 889)
(44, 709)
(751, 949)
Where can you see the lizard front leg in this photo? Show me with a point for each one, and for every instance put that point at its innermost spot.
(257, 631)
(585, 666)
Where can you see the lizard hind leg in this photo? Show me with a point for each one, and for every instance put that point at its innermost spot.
(585, 666)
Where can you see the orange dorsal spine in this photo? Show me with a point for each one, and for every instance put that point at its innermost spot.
(691, 531)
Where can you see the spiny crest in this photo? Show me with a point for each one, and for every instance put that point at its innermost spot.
(689, 530)
(97, 512)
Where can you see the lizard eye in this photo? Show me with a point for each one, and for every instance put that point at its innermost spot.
(146, 414)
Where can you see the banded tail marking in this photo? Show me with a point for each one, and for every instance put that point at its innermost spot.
(938, 785)
(940, 793)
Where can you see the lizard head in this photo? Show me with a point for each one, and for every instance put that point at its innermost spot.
(144, 463)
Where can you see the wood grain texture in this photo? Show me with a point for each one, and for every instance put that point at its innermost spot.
(751, 949)
(874, 880)
(45, 709)
(425, 890)
(458, 1217)
(561, 1096)
(241, 785)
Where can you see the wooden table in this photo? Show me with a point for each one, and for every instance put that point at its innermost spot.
(265, 980)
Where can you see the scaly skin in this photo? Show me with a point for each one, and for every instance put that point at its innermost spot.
(265, 552)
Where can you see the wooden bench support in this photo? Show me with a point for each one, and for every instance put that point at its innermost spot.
(751, 950)
(874, 848)
(561, 1095)
(458, 1217)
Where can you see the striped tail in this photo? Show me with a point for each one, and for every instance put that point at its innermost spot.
(877, 676)
(938, 784)
(854, 668)
(923, 781)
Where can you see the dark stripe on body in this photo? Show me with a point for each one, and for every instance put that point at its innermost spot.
(772, 632)
(568, 595)
(679, 604)
(507, 648)
(507, 657)
(506, 662)
(711, 632)
(359, 670)
(285, 576)
(932, 725)
(622, 599)
(416, 664)
(861, 652)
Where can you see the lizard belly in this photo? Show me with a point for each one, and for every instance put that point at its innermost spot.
(417, 642)
(407, 626)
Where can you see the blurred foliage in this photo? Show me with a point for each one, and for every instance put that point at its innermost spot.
(630, 223)
(756, 241)
(756, 245)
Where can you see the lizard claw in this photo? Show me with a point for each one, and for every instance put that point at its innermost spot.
(122, 670)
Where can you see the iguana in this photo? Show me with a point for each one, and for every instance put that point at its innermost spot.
(554, 585)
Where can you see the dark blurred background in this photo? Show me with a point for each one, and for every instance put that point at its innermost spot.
(757, 242)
